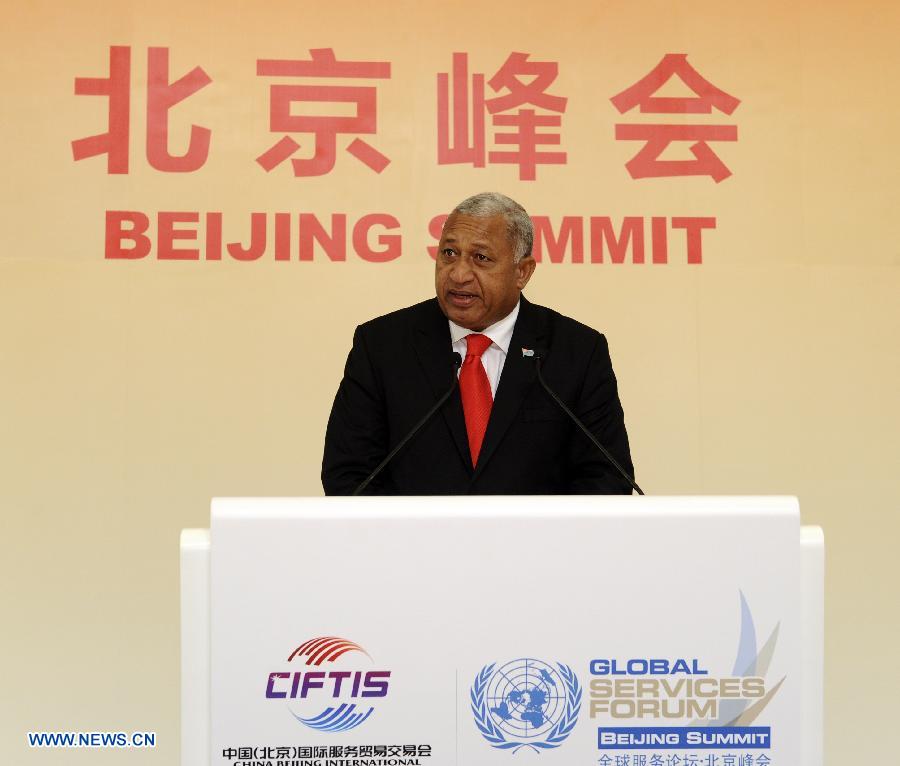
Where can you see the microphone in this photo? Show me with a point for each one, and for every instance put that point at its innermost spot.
(457, 363)
(538, 355)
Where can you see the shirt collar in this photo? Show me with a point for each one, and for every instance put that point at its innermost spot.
(500, 332)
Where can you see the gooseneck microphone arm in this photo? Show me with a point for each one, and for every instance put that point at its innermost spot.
(457, 362)
(582, 426)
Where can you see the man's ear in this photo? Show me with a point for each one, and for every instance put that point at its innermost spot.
(524, 270)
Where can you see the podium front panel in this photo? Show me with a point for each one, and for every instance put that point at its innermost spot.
(438, 631)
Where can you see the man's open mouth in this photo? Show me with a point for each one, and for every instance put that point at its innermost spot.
(461, 298)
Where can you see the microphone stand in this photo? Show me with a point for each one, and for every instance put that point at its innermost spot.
(457, 362)
(582, 426)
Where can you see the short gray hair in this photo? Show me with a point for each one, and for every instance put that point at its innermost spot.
(519, 228)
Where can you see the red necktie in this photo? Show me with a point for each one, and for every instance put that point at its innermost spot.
(475, 390)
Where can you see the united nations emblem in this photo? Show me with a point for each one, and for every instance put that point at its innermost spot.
(525, 703)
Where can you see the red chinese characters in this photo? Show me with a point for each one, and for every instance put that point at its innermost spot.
(647, 163)
(522, 105)
(324, 128)
(162, 95)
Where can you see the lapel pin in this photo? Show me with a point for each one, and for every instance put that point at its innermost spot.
(527, 352)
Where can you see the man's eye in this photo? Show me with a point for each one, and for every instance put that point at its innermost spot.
(448, 253)
(481, 257)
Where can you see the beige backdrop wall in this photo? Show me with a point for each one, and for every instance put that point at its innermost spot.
(133, 390)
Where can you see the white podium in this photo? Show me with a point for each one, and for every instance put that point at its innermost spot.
(620, 631)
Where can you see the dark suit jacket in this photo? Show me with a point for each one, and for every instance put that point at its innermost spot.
(401, 364)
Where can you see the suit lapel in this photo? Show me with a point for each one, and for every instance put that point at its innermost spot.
(431, 340)
(515, 381)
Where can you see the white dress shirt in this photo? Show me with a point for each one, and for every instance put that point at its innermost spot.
(494, 356)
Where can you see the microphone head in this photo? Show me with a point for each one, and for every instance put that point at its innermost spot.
(456, 357)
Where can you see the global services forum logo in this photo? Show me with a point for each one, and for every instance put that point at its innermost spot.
(526, 703)
(340, 696)
(669, 703)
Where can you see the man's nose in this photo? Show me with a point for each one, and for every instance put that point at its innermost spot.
(462, 270)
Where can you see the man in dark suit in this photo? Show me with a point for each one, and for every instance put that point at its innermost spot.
(500, 432)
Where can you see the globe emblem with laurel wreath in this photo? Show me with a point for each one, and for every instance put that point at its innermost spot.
(526, 703)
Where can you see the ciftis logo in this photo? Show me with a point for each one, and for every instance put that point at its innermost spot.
(526, 703)
(338, 697)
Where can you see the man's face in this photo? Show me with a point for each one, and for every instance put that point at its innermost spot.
(476, 280)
